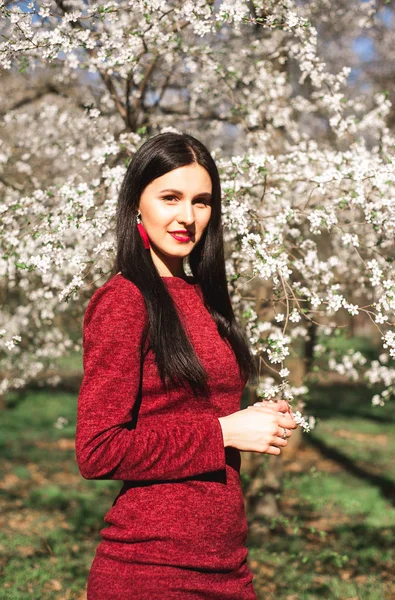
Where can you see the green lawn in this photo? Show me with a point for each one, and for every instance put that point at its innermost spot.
(335, 538)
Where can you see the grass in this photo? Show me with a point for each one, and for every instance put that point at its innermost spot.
(334, 539)
(336, 534)
(52, 515)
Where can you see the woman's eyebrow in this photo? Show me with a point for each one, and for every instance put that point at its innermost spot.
(207, 194)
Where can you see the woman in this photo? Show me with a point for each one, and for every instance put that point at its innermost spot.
(165, 364)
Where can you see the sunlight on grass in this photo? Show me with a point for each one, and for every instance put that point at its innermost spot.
(342, 491)
(334, 538)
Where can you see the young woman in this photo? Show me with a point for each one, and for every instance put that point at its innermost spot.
(165, 365)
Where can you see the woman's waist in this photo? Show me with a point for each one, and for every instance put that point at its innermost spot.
(192, 524)
(208, 506)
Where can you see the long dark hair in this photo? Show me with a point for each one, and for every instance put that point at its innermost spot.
(176, 359)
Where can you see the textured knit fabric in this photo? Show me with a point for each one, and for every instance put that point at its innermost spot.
(177, 529)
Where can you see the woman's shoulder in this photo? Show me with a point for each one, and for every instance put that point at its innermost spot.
(117, 294)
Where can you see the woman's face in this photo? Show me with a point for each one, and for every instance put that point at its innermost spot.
(179, 201)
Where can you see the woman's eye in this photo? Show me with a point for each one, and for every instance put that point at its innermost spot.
(199, 201)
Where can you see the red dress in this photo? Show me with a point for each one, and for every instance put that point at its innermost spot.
(177, 529)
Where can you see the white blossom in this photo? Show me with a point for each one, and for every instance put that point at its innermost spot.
(311, 223)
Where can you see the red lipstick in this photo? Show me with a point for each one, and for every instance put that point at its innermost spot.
(181, 235)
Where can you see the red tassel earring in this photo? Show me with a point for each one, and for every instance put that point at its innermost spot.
(143, 233)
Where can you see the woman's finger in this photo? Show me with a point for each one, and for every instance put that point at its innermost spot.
(273, 450)
(287, 421)
(279, 441)
(281, 405)
(287, 433)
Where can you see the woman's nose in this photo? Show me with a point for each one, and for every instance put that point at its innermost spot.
(186, 214)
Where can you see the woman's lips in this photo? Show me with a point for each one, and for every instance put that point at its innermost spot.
(181, 237)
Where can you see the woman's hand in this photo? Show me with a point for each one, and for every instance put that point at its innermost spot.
(259, 428)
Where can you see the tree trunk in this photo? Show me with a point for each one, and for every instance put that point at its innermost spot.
(265, 472)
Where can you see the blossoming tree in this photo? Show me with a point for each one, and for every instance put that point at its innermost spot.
(306, 167)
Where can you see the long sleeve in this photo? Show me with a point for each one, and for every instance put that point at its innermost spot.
(106, 445)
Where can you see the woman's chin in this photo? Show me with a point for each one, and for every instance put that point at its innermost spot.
(180, 252)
